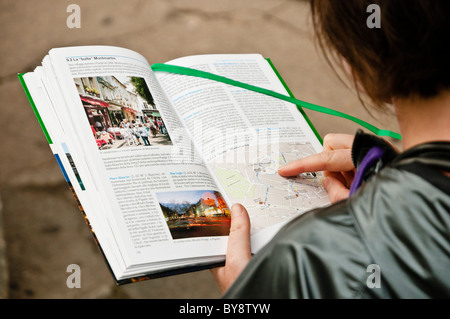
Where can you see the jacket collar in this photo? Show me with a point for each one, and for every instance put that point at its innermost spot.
(436, 154)
(363, 143)
(370, 154)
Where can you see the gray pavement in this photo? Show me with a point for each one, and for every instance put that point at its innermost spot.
(43, 230)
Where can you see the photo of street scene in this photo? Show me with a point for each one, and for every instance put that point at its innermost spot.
(121, 112)
(195, 213)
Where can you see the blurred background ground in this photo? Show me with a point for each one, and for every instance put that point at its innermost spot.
(43, 231)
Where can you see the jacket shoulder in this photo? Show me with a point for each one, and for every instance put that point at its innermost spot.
(404, 221)
(317, 255)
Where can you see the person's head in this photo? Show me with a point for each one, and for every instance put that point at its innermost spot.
(408, 56)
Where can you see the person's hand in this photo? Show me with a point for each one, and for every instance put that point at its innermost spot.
(335, 161)
(238, 250)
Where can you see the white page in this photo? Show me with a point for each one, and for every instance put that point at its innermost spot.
(39, 87)
(115, 170)
(245, 136)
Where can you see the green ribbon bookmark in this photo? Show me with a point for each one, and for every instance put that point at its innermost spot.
(161, 67)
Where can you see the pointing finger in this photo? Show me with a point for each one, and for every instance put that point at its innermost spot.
(333, 161)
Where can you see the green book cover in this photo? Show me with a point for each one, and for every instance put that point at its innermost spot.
(33, 105)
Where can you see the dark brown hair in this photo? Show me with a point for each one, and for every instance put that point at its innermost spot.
(408, 56)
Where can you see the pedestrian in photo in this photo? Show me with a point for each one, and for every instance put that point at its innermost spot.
(153, 129)
(126, 135)
(107, 137)
(98, 125)
(134, 132)
(163, 128)
(142, 130)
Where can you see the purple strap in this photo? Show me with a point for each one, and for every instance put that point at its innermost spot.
(372, 156)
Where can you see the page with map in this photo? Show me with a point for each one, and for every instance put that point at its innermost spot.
(244, 137)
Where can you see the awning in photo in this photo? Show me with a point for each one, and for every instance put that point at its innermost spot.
(92, 101)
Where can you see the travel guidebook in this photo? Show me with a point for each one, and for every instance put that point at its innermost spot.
(156, 159)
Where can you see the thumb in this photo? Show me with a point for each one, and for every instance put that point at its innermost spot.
(238, 248)
(336, 190)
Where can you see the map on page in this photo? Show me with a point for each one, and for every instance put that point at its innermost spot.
(252, 180)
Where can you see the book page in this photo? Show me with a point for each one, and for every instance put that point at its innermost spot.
(153, 186)
(45, 102)
(245, 136)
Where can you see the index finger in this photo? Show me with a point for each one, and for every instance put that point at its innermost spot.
(333, 141)
(331, 161)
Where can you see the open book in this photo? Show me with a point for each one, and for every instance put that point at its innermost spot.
(156, 159)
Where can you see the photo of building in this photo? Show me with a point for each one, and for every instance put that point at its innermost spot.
(198, 213)
(121, 112)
